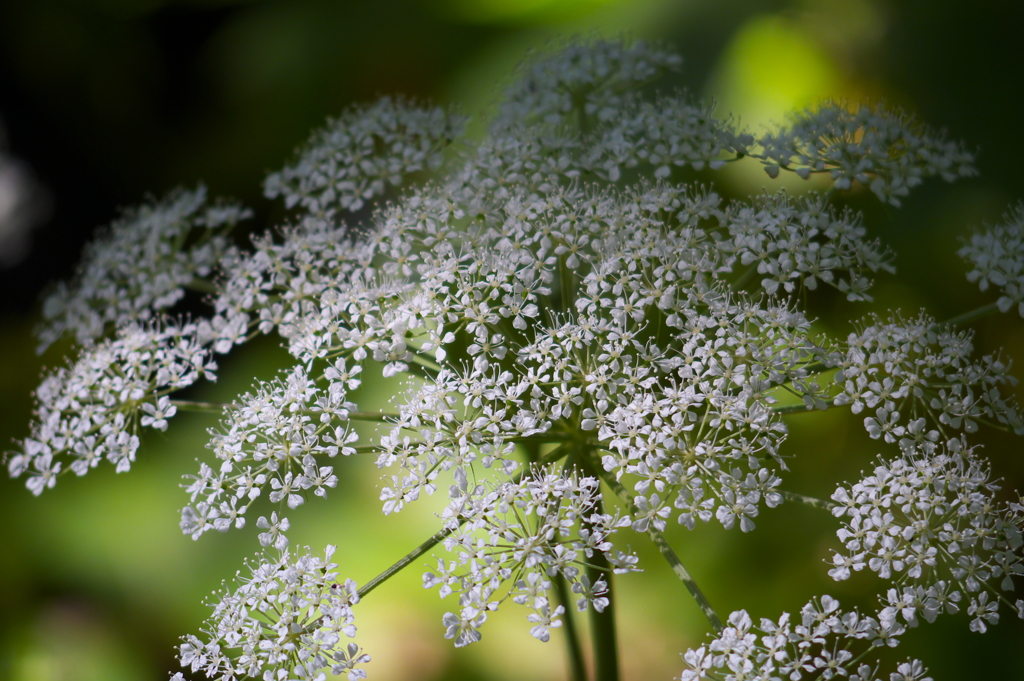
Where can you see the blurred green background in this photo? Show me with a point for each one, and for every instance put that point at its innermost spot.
(107, 100)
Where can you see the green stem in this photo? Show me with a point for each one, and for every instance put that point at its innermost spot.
(673, 560)
(202, 286)
(368, 449)
(971, 316)
(218, 407)
(370, 416)
(577, 669)
(815, 368)
(602, 624)
(684, 576)
(793, 409)
(356, 415)
(580, 104)
(810, 501)
(567, 283)
(745, 278)
(397, 566)
(406, 559)
(532, 449)
(426, 363)
(540, 439)
(205, 407)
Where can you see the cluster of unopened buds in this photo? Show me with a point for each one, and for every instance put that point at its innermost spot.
(580, 346)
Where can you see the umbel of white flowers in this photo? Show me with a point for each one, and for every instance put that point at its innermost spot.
(563, 321)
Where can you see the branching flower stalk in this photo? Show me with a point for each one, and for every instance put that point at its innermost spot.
(580, 346)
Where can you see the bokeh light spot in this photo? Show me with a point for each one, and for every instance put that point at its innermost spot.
(772, 68)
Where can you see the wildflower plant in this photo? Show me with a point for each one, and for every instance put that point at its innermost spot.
(583, 349)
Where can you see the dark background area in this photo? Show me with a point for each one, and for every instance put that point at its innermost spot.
(110, 100)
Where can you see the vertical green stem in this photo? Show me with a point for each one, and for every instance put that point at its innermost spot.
(577, 668)
(602, 624)
(532, 449)
(580, 104)
(567, 284)
(606, 647)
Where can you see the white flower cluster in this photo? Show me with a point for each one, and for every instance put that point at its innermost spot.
(693, 428)
(577, 114)
(443, 442)
(284, 622)
(527, 309)
(997, 255)
(91, 410)
(275, 438)
(276, 285)
(795, 243)
(140, 266)
(825, 642)
(921, 382)
(733, 348)
(593, 79)
(548, 160)
(686, 410)
(662, 134)
(510, 541)
(929, 521)
(889, 151)
(358, 155)
(538, 160)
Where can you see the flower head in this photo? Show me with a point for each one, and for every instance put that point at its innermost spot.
(921, 382)
(887, 150)
(929, 521)
(824, 642)
(91, 410)
(140, 266)
(358, 155)
(997, 255)
(602, 75)
(287, 619)
(510, 541)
